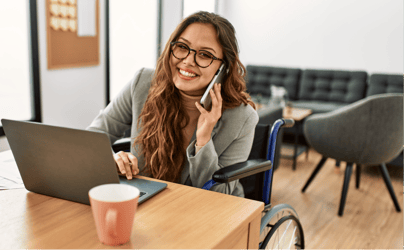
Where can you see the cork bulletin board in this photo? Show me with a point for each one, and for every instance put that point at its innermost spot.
(67, 47)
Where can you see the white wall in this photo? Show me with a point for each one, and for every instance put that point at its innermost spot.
(171, 16)
(325, 34)
(132, 40)
(69, 97)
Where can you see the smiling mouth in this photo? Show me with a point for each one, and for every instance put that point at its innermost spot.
(186, 73)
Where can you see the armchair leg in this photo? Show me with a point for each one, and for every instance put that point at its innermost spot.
(386, 177)
(319, 166)
(358, 175)
(348, 173)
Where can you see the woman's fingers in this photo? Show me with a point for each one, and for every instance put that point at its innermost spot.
(200, 108)
(127, 164)
(219, 92)
(128, 168)
(216, 98)
(119, 163)
(133, 164)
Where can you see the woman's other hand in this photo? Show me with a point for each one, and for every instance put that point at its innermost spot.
(127, 164)
(208, 119)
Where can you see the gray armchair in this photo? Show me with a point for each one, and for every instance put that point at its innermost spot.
(367, 132)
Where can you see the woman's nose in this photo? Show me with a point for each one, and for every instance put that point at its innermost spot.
(190, 59)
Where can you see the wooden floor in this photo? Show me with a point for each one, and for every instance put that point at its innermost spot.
(370, 219)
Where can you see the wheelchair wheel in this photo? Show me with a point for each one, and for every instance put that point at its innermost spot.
(281, 229)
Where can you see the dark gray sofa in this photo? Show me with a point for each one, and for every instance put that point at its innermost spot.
(317, 89)
(327, 90)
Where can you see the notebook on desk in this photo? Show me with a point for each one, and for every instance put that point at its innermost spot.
(66, 163)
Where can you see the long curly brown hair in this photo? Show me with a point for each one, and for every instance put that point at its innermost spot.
(163, 117)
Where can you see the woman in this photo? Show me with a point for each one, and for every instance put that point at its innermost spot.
(174, 138)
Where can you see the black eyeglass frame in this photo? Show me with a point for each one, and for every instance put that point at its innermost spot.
(195, 52)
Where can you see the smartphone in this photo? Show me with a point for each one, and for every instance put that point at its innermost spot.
(206, 100)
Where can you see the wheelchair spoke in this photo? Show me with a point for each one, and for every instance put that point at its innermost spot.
(293, 238)
(277, 246)
(273, 243)
(283, 235)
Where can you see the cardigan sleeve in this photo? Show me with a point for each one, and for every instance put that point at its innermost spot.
(206, 161)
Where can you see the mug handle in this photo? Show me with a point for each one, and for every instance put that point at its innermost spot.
(110, 221)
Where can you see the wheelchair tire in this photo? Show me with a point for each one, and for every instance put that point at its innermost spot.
(285, 229)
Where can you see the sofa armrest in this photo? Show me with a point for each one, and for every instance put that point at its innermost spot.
(241, 170)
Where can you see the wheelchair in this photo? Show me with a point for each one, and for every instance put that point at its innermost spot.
(280, 226)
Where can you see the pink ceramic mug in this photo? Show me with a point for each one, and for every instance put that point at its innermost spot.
(114, 207)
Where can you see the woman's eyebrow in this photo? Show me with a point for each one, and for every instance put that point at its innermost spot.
(191, 44)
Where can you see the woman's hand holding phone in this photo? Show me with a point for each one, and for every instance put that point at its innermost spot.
(208, 119)
(127, 164)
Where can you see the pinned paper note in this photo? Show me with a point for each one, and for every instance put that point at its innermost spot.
(72, 25)
(71, 12)
(54, 9)
(63, 10)
(86, 18)
(64, 24)
(55, 23)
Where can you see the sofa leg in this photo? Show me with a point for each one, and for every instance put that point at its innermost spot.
(319, 166)
(386, 178)
(348, 173)
(358, 175)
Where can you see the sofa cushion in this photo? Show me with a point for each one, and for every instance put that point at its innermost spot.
(318, 106)
(384, 83)
(260, 79)
(332, 85)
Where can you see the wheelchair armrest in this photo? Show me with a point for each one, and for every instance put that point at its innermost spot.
(121, 145)
(241, 170)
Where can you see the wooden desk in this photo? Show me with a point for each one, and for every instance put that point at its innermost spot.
(178, 217)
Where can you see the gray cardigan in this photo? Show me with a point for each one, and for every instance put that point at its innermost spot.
(231, 141)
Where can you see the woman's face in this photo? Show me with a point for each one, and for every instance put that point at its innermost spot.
(187, 75)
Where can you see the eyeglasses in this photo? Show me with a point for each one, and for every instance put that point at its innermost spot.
(202, 58)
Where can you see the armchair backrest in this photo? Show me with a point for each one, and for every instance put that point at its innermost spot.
(369, 131)
(385, 129)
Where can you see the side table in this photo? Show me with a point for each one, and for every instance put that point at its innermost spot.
(297, 114)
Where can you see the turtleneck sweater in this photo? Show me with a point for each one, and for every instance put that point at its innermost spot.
(188, 103)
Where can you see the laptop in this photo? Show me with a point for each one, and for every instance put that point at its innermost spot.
(66, 163)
